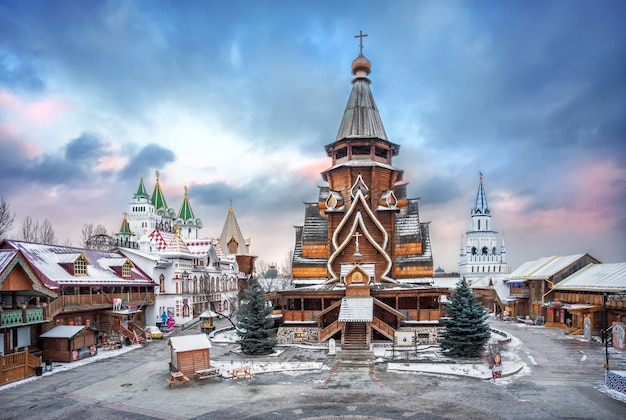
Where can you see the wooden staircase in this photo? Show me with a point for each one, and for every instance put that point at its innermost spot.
(355, 336)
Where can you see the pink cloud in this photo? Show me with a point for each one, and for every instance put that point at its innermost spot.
(39, 112)
(312, 168)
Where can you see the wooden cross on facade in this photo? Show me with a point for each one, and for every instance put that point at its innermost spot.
(361, 35)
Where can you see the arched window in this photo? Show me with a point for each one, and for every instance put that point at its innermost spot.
(478, 224)
(162, 283)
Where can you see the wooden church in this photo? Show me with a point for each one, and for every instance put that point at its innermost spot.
(362, 262)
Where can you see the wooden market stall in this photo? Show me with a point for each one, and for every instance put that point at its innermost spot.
(190, 353)
(206, 321)
(68, 343)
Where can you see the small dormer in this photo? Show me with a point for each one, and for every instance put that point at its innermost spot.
(75, 263)
(123, 267)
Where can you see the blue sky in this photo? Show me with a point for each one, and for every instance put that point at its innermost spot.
(237, 99)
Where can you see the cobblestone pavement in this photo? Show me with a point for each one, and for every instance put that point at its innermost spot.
(562, 378)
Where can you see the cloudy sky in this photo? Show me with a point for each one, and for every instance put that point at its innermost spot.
(236, 100)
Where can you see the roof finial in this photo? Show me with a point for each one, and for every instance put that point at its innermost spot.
(185, 190)
(157, 175)
(360, 35)
(481, 176)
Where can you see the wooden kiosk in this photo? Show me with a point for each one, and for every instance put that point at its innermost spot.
(190, 356)
(69, 343)
(206, 321)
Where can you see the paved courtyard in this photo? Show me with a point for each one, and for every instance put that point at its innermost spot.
(558, 377)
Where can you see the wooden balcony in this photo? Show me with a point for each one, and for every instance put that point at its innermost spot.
(423, 314)
(299, 316)
(519, 292)
(18, 317)
(73, 303)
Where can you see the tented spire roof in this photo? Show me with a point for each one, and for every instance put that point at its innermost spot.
(158, 199)
(361, 118)
(186, 213)
(230, 232)
(481, 206)
(141, 190)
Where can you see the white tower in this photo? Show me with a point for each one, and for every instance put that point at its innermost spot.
(480, 255)
(141, 215)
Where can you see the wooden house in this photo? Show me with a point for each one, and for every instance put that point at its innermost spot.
(531, 287)
(588, 292)
(190, 353)
(69, 343)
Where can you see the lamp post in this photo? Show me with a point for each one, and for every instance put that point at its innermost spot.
(605, 330)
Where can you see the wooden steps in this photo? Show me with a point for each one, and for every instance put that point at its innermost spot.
(355, 336)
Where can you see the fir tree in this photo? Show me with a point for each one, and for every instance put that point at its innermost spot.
(255, 322)
(466, 330)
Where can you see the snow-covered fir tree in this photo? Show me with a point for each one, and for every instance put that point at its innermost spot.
(466, 330)
(255, 322)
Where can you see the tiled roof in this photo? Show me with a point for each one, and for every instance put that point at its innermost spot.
(315, 225)
(176, 246)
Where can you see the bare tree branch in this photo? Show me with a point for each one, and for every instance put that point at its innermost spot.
(6, 218)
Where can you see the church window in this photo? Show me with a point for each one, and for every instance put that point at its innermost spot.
(473, 250)
(472, 269)
(341, 153)
(485, 250)
(494, 251)
(380, 152)
(489, 269)
(361, 150)
(486, 224)
(80, 267)
(162, 283)
(479, 225)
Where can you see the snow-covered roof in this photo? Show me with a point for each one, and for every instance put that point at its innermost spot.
(63, 331)
(596, 278)
(356, 309)
(493, 280)
(6, 255)
(49, 262)
(542, 268)
(189, 342)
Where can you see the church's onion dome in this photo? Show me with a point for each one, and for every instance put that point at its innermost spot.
(361, 66)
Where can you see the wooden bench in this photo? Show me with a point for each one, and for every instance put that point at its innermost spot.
(207, 373)
(178, 378)
(241, 372)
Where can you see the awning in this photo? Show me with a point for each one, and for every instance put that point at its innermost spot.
(356, 309)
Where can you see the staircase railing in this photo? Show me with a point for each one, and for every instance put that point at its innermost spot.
(329, 331)
(383, 328)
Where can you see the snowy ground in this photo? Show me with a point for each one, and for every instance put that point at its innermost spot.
(431, 362)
